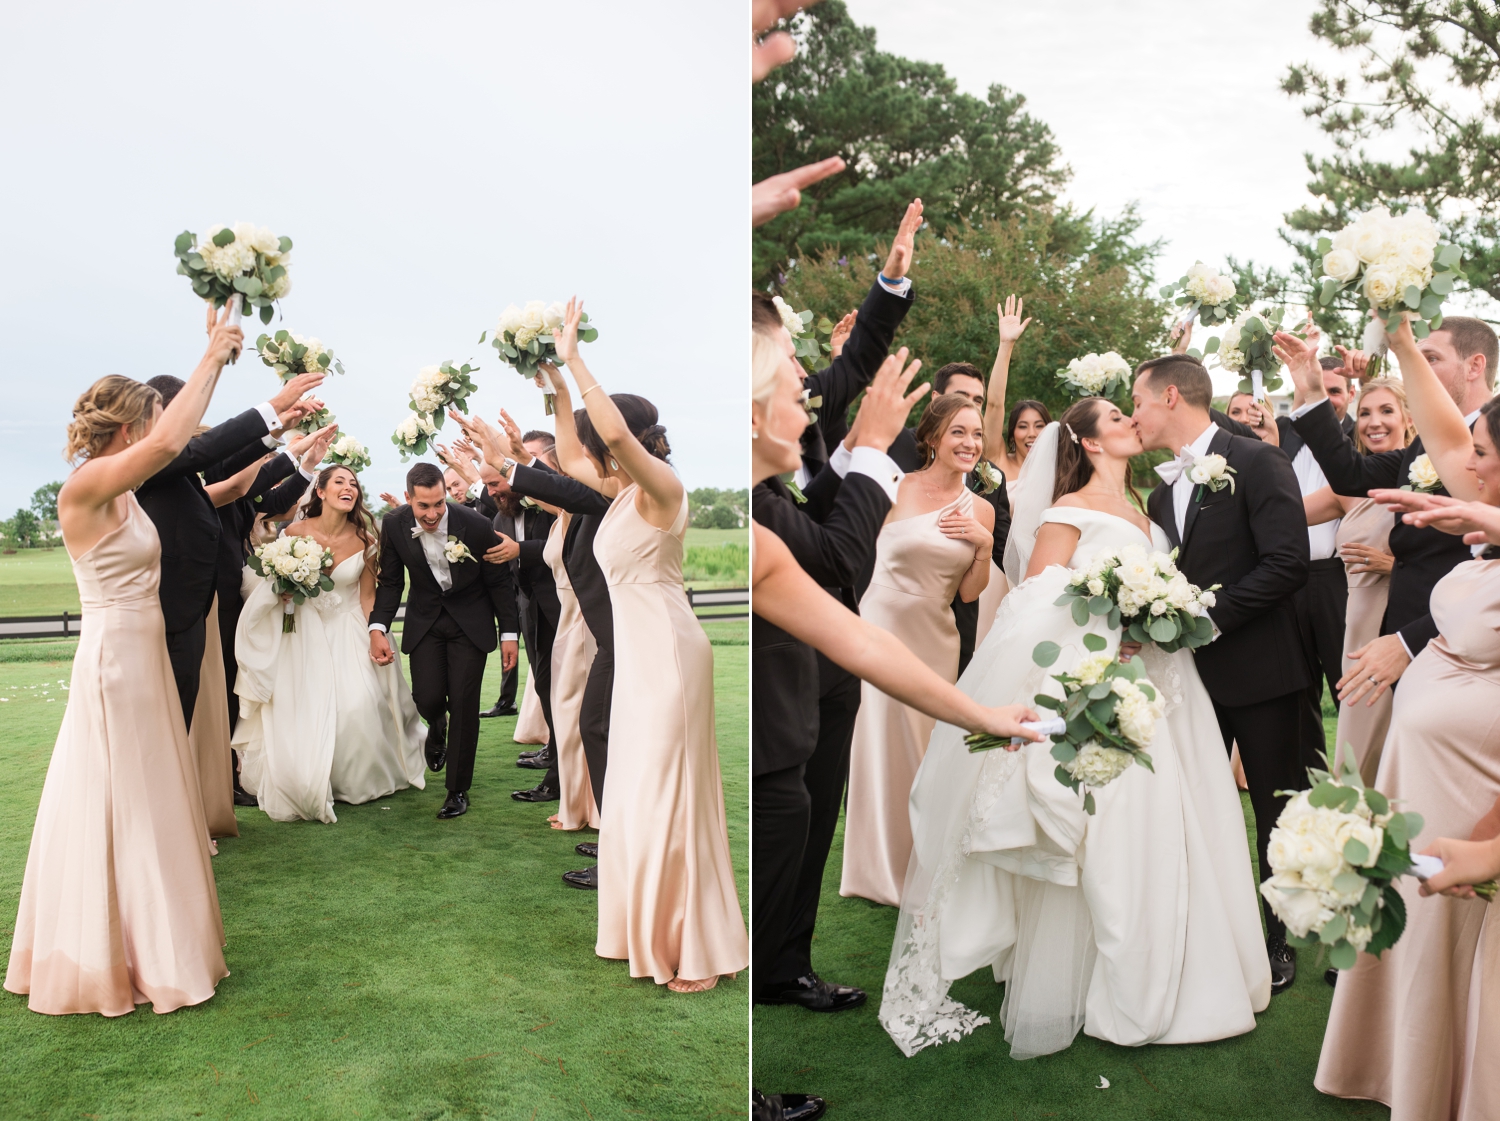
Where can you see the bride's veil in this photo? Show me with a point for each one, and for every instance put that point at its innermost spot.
(1031, 495)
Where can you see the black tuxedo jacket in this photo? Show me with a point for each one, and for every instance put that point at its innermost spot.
(481, 594)
(588, 508)
(1253, 541)
(843, 379)
(278, 486)
(1292, 441)
(185, 518)
(1423, 556)
(832, 536)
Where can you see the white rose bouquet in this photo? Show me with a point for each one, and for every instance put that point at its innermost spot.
(523, 337)
(295, 567)
(801, 325)
(440, 386)
(1398, 267)
(1205, 293)
(1144, 595)
(241, 259)
(348, 452)
(289, 355)
(1245, 348)
(413, 434)
(1110, 711)
(1095, 375)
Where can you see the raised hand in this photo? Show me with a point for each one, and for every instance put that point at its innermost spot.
(886, 404)
(317, 446)
(485, 435)
(294, 390)
(1259, 418)
(1011, 323)
(465, 450)
(1355, 361)
(224, 341)
(770, 197)
(1300, 356)
(513, 437)
(1180, 336)
(899, 260)
(297, 410)
(565, 338)
(775, 49)
(391, 500)
(841, 332)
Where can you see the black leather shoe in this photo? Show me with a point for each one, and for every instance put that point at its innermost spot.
(535, 794)
(244, 797)
(436, 748)
(589, 849)
(1283, 964)
(786, 1107)
(1331, 975)
(813, 993)
(456, 806)
(501, 710)
(586, 878)
(536, 760)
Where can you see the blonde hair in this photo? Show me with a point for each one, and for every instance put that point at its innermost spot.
(766, 357)
(111, 403)
(1394, 387)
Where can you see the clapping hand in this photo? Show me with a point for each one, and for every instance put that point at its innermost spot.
(886, 404)
(899, 261)
(1011, 323)
(841, 332)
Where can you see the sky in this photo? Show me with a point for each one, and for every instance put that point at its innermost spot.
(431, 163)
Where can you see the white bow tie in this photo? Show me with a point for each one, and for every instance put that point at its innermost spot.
(1171, 471)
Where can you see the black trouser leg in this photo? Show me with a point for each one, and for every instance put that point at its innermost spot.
(447, 673)
(508, 685)
(229, 621)
(1268, 733)
(1321, 604)
(966, 619)
(185, 650)
(593, 720)
(540, 639)
(824, 775)
(780, 808)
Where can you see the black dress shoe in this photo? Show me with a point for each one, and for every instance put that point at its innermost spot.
(244, 797)
(1283, 964)
(589, 849)
(456, 806)
(1331, 975)
(786, 1107)
(813, 993)
(587, 878)
(436, 748)
(537, 793)
(536, 760)
(501, 710)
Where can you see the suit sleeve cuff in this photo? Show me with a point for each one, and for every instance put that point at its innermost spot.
(268, 414)
(878, 466)
(379, 627)
(508, 636)
(896, 287)
(1303, 410)
(310, 476)
(1402, 639)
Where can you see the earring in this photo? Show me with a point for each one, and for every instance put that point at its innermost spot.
(613, 466)
(754, 435)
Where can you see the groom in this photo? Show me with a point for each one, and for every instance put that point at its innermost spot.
(450, 619)
(1242, 527)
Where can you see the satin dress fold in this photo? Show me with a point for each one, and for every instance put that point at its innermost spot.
(1362, 727)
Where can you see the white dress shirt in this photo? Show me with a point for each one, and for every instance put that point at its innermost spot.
(868, 461)
(1310, 479)
(434, 542)
(1182, 489)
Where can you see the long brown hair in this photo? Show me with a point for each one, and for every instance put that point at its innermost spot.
(359, 517)
(1074, 467)
(935, 420)
(1014, 418)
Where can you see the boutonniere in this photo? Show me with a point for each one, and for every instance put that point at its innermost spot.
(1213, 472)
(796, 492)
(1423, 477)
(809, 404)
(456, 550)
(530, 504)
(989, 478)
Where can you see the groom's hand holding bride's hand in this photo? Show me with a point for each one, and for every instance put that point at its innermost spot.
(380, 649)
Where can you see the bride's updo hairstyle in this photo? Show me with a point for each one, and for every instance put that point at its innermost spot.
(359, 517)
(110, 404)
(640, 418)
(935, 420)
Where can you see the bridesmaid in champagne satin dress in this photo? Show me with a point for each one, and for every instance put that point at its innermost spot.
(572, 655)
(1362, 727)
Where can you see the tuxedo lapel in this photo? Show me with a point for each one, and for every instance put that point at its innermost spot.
(1219, 445)
(1159, 505)
(416, 559)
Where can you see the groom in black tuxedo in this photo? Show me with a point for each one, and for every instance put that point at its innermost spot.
(451, 613)
(1244, 529)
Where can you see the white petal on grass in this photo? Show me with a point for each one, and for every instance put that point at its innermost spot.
(1103, 1083)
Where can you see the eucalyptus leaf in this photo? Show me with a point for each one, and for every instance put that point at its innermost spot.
(1046, 653)
(1094, 642)
(1081, 612)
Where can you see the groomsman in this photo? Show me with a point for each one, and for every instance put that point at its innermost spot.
(502, 506)
(539, 624)
(185, 520)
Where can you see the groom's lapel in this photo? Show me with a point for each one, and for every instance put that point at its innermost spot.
(1160, 506)
(1219, 445)
(416, 558)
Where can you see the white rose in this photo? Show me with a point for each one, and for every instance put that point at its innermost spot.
(1415, 255)
(286, 565)
(1281, 851)
(1137, 573)
(1159, 607)
(1221, 290)
(1136, 719)
(1416, 226)
(531, 314)
(1301, 909)
(1373, 236)
(1341, 264)
(1382, 285)
(1096, 587)
(1207, 599)
(554, 315)
(510, 319)
(1423, 474)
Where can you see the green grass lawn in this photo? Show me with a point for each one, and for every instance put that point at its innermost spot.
(849, 1059)
(37, 582)
(388, 966)
(717, 558)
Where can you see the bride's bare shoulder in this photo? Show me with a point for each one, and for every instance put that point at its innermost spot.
(1074, 501)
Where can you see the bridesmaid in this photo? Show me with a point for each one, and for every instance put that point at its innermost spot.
(572, 658)
(1402, 1030)
(1382, 424)
(936, 544)
(118, 905)
(1008, 439)
(667, 896)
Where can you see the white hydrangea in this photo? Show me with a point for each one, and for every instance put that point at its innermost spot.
(1096, 765)
(1090, 670)
(428, 391)
(228, 261)
(413, 427)
(1091, 373)
(1208, 286)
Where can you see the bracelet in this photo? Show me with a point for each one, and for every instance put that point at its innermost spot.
(589, 390)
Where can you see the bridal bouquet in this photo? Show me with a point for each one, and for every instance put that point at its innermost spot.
(290, 355)
(413, 434)
(1095, 375)
(799, 324)
(244, 259)
(1145, 595)
(523, 337)
(348, 452)
(439, 386)
(294, 566)
(1335, 853)
(1110, 710)
(1204, 293)
(1245, 348)
(1398, 267)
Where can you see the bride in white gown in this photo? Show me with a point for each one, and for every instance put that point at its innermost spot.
(1139, 924)
(319, 721)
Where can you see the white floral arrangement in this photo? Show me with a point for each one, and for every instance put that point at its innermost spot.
(1096, 375)
(241, 259)
(295, 567)
(1142, 594)
(523, 337)
(348, 452)
(1110, 712)
(805, 327)
(290, 354)
(1205, 294)
(413, 434)
(1422, 476)
(438, 387)
(456, 551)
(1245, 348)
(1398, 266)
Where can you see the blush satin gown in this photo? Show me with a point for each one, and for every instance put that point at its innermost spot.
(572, 654)
(118, 906)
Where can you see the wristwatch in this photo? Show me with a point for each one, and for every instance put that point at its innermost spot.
(510, 465)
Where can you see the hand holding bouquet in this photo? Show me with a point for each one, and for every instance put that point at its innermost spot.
(243, 260)
(1144, 594)
(1096, 375)
(413, 435)
(1204, 293)
(523, 337)
(348, 452)
(1110, 711)
(439, 387)
(295, 567)
(1245, 348)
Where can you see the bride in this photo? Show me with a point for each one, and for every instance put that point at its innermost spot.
(319, 720)
(1139, 924)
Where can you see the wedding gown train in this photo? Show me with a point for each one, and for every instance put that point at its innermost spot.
(319, 721)
(1139, 924)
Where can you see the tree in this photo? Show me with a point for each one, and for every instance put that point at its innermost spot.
(24, 529)
(709, 508)
(44, 502)
(904, 131)
(1411, 55)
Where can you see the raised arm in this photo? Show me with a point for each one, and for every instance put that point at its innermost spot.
(1011, 326)
(1445, 437)
(235, 487)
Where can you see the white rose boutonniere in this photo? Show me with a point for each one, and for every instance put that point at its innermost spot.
(456, 550)
(1213, 472)
(1423, 477)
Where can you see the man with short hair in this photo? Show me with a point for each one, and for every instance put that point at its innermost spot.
(449, 629)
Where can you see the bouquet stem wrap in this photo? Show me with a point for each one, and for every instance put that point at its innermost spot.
(288, 618)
